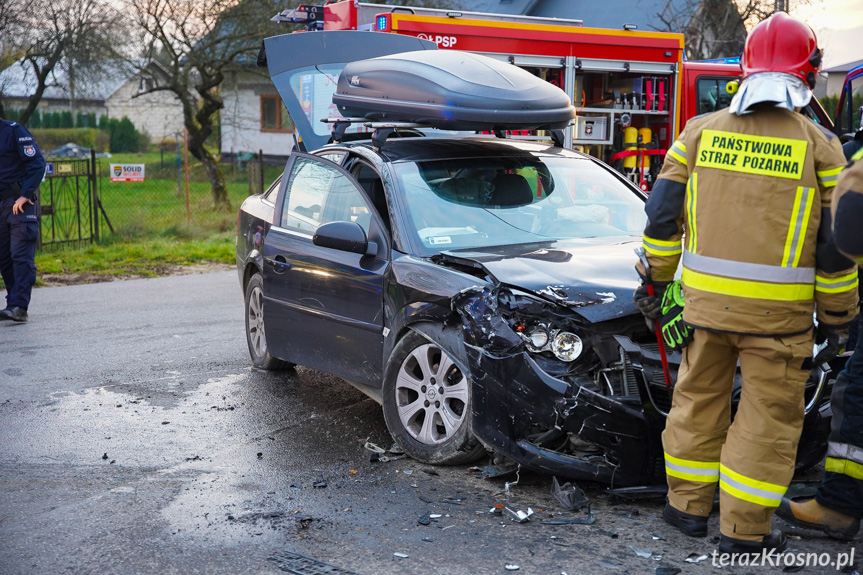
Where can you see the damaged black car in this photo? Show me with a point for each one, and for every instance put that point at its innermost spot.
(479, 288)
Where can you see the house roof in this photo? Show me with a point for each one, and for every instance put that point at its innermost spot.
(90, 84)
(604, 14)
(844, 68)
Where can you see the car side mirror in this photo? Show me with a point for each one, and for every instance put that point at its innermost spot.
(346, 237)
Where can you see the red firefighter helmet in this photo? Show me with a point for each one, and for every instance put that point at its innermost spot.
(782, 44)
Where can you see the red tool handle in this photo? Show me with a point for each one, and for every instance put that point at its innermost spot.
(662, 354)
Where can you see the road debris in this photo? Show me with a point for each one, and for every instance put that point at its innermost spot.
(401, 555)
(496, 510)
(492, 471)
(512, 567)
(569, 495)
(425, 519)
(695, 558)
(303, 521)
(667, 571)
(645, 553)
(320, 485)
(430, 471)
(407, 472)
(589, 520)
(374, 448)
(452, 501)
(519, 516)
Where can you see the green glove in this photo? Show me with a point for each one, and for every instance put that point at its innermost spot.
(676, 332)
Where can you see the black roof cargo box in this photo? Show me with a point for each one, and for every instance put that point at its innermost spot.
(450, 90)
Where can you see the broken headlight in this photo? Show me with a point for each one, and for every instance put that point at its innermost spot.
(539, 337)
(541, 326)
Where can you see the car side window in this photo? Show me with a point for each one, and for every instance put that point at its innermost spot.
(317, 194)
(273, 190)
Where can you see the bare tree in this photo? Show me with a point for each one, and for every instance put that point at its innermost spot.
(196, 42)
(716, 28)
(45, 32)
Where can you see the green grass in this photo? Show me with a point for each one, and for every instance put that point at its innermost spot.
(143, 258)
(152, 229)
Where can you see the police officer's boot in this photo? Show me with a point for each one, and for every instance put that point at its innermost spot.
(812, 515)
(14, 313)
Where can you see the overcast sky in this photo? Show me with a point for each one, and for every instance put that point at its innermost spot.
(839, 27)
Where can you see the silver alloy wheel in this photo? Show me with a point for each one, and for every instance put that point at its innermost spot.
(256, 322)
(431, 394)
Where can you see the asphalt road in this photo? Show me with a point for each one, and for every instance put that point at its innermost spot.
(134, 438)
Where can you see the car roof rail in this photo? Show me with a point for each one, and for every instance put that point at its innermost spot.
(383, 130)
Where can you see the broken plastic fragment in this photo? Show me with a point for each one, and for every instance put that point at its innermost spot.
(569, 495)
(320, 485)
(425, 519)
(519, 516)
(512, 567)
(401, 555)
(492, 471)
(695, 558)
(589, 520)
(646, 553)
(375, 448)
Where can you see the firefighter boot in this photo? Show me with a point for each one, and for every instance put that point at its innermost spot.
(688, 524)
(775, 542)
(812, 515)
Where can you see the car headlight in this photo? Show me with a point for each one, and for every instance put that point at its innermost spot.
(566, 346)
(538, 338)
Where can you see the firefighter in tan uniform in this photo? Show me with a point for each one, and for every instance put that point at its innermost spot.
(744, 199)
(838, 505)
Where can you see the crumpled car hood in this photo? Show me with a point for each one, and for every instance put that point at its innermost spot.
(595, 276)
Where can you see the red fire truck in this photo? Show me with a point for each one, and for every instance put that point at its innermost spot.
(632, 89)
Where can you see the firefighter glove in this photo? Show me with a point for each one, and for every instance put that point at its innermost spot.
(649, 305)
(675, 332)
(836, 338)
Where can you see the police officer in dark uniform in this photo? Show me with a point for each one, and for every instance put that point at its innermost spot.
(22, 168)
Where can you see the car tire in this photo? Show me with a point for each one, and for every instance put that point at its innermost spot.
(429, 429)
(256, 336)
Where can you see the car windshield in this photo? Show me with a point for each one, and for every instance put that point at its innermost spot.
(478, 202)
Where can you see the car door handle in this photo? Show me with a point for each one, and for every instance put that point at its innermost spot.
(280, 265)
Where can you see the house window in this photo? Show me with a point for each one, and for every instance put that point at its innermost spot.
(274, 116)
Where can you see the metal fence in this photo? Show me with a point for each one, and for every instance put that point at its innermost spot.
(82, 201)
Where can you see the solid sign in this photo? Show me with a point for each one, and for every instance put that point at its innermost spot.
(127, 172)
(64, 168)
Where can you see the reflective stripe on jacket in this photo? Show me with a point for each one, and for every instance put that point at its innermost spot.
(745, 201)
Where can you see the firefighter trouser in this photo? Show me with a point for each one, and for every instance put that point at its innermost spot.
(842, 487)
(751, 459)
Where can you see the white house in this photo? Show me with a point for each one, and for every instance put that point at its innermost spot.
(111, 88)
(254, 117)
